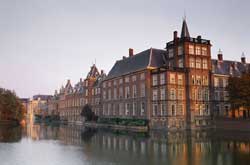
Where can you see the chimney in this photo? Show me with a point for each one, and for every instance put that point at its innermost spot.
(243, 58)
(220, 56)
(102, 72)
(68, 81)
(175, 35)
(80, 79)
(199, 38)
(131, 52)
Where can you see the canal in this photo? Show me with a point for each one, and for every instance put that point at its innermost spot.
(74, 145)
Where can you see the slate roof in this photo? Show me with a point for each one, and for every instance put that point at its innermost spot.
(184, 30)
(232, 68)
(148, 58)
(42, 97)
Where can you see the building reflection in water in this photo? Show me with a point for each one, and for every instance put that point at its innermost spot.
(177, 148)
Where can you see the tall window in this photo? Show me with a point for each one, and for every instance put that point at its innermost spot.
(109, 94)
(207, 111)
(120, 109)
(204, 51)
(206, 94)
(104, 95)
(162, 78)
(142, 89)
(180, 79)
(163, 109)
(134, 109)
(155, 107)
(115, 93)
(191, 49)
(216, 82)
(127, 93)
(170, 53)
(204, 63)
(142, 76)
(126, 109)
(226, 95)
(193, 79)
(198, 63)
(180, 109)
(120, 92)
(134, 91)
(180, 50)
(120, 81)
(199, 94)
(180, 94)
(155, 94)
(173, 110)
(198, 80)
(198, 50)
(204, 80)
(172, 78)
(126, 79)
(134, 78)
(217, 95)
(155, 79)
(115, 82)
(180, 61)
(191, 62)
(163, 94)
(225, 82)
(172, 94)
(142, 108)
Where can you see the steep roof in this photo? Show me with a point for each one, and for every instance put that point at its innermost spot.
(93, 72)
(148, 58)
(184, 30)
(41, 97)
(226, 67)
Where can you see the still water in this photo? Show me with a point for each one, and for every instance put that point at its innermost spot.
(73, 145)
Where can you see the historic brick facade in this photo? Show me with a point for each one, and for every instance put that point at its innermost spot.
(179, 87)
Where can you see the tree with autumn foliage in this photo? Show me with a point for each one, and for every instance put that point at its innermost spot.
(10, 106)
(239, 92)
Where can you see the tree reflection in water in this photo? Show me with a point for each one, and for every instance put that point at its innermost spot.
(10, 134)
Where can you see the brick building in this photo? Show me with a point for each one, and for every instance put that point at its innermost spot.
(179, 87)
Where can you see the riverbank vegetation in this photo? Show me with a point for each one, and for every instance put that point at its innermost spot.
(11, 109)
(123, 122)
(239, 93)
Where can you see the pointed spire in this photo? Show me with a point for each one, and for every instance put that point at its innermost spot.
(184, 30)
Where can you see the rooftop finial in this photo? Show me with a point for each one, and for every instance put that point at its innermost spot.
(184, 16)
(219, 52)
(243, 54)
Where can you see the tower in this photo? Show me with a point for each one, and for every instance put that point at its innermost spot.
(193, 55)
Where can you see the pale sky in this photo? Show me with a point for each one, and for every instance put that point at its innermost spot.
(45, 42)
